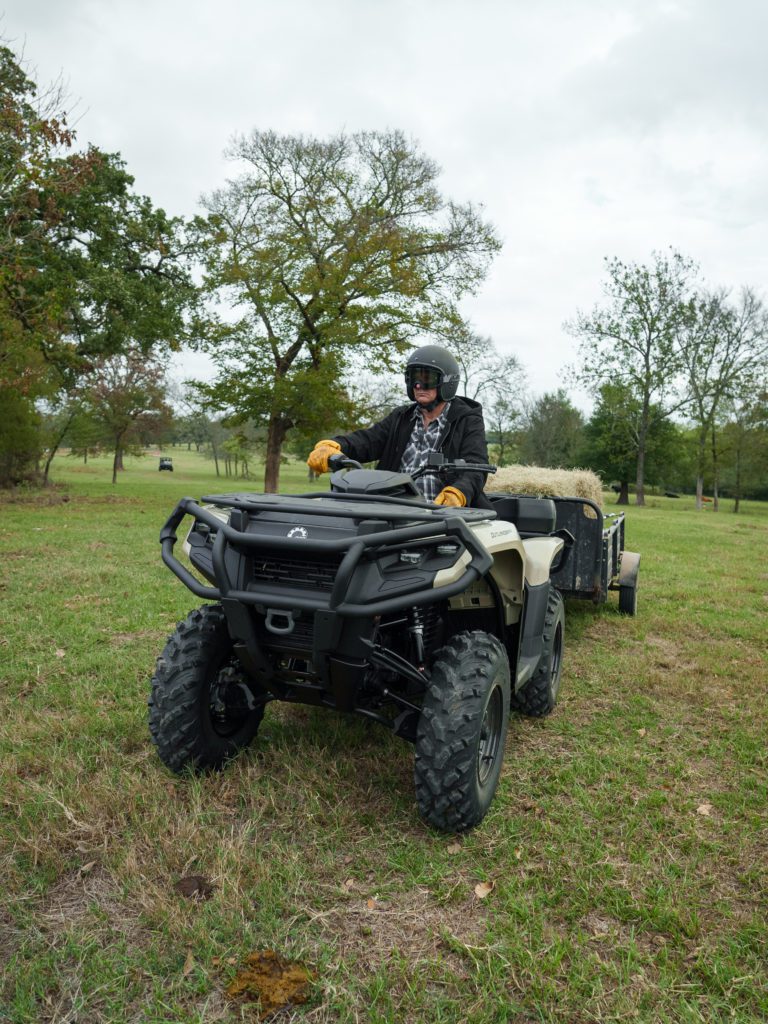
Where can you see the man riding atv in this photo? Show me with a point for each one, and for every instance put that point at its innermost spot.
(435, 420)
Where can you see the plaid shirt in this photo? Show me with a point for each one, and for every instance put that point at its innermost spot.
(422, 441)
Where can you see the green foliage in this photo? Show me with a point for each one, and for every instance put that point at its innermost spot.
(611, 439)
(553, 431)
(632, 339)
(327, 249)
(87, 267)
(19, 437)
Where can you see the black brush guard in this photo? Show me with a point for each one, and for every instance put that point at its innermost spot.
(342, 644)
(435, 531)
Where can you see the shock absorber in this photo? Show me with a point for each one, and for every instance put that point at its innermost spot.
(416, 630)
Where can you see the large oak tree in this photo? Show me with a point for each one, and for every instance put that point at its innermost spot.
(323, 249)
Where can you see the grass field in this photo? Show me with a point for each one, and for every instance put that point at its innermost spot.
(621, 875)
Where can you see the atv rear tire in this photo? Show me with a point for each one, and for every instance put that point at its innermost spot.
(462, 731)
(539, 695)
(201, 709)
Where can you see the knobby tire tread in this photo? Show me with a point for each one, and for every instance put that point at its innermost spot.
(447, 790)
(176, 725)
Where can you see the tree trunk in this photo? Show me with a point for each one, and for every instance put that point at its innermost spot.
(640, 481)
(715, 472)
(623, 498)
(55, 448)
(115, 463)
(701, 466)
(275, 437)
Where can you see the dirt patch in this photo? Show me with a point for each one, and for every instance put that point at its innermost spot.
(73, 898)
(368, 931)
(40, 499)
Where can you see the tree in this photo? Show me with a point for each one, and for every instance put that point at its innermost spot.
(323, 249)
(611, 439)
(87, 268)
(125, 396)
(724, 349)
(486, 374)
(744, 438)
(552, 432)
(502, 418)
(632, 340)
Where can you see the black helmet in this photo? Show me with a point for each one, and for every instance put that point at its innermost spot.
(433, 357)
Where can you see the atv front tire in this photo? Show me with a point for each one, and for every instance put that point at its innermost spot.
(539, 695)
(201, 709)
(462, 731)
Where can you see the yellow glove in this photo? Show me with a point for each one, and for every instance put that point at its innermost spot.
(451, 496)
(318, 458)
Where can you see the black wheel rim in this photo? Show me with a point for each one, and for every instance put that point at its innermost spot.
(490, 735)
(228, 703)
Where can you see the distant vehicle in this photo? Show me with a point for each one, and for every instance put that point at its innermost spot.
(165, 463)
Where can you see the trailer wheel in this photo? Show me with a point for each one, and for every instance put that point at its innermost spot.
(539, 695)
(201, 708)
(628, 599)
(462, 731)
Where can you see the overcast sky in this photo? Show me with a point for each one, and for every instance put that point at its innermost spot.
(585, 128)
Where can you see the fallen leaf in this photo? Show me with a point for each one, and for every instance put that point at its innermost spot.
(194, 887)
(59, 652)
(349, 884)
(86, 868)
(642, 732)
(215, 960)
(518, 854)
(348, 859)
(704, 809)
(454, 848)
(484, 889)
(371, 904)
(189, 964)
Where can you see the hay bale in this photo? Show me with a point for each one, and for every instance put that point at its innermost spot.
(543, 482)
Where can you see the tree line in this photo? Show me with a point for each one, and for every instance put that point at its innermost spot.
(306, 278)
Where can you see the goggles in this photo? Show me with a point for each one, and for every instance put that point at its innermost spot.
(423, 376)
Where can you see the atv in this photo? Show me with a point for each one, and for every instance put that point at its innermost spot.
(433, 621)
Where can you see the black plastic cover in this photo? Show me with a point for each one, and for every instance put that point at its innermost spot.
(530, 515)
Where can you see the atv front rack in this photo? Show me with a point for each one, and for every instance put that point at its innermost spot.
(433, 530)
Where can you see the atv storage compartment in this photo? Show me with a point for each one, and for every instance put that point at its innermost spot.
(531, 516)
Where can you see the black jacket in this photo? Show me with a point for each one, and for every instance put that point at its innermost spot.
(464, 439)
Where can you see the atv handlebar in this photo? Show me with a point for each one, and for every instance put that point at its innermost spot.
(435, 464)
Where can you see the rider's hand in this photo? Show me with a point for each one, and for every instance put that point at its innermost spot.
(318, 458)
(451, 496)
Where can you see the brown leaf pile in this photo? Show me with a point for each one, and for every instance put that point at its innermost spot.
(276, 983)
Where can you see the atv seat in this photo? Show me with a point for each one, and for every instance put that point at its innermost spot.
(533, 517)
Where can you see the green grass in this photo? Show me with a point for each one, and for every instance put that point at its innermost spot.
(615, 896)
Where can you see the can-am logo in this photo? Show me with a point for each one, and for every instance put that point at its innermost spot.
(298, 531)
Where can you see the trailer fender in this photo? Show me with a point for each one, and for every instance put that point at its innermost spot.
(629, 568)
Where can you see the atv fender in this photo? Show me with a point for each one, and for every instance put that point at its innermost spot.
(540, 553)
